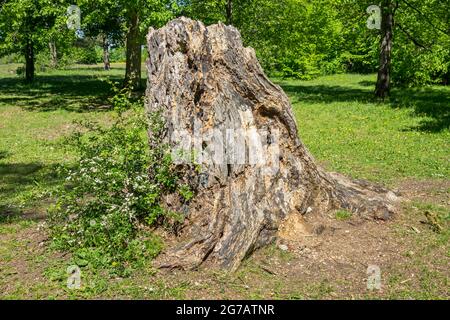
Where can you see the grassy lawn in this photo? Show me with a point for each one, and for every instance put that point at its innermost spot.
(347, 130)
(403, 143)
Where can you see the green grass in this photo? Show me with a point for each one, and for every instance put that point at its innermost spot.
(34, 118)
(407, 137)
(342, 215)
(350, 132)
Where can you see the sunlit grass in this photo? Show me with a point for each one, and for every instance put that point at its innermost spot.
(349, 131)
(344, 127)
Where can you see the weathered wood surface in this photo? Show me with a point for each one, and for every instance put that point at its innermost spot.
(203, 78)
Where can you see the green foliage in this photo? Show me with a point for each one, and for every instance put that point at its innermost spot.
(22, 21)
(415, 67)
(20, 71)
(420, 53)
(153, 13)
(33, 23)
(210, 11)
(11, 58)
(422, 43)
(292, 38)
(82, 55)
(103, 18)
(113, 194)
(118, 54)
(306, 38)
(342, 215)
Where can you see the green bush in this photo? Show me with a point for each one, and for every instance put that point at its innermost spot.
(118, 54)
(86, 55)
(417, 66)
(112, 196)
(292, 38)
(12, 58)
(20, 71)
(359, 63)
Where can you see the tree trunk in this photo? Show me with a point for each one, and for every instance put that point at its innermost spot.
(29, 61)
(106, 62)
(229, 11)
(255, 175)
(133, 54)
(384, 71)
(53, 54)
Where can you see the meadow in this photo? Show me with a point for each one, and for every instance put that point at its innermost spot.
(402, 143)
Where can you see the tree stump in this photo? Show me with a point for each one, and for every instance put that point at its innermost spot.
(212, 92)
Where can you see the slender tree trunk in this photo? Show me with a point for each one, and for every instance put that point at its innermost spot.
(29, 61)
(53, 54)
(229, 11)
(133, 54)
(384, 71)
(106, 62)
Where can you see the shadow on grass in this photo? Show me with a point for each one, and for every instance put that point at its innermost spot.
(93, 68)
(24, 180)
(76, 93)
(433, 103)
(327, 93)
(366, 83)
(4, 154)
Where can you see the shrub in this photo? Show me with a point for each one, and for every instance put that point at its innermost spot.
(111, 199)
(86, 55)
(418, 67)
(343, 215)
(117, 54)
(20, 71)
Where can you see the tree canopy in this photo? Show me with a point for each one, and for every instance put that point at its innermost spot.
(292, 38)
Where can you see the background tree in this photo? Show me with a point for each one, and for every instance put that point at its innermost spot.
(422, 43)
(358, 47)
(25, 28)
(60, 38)
(103, 19)
(388, 8)
(229, 12)
(139, 16)
(412, 47)
(292, 38)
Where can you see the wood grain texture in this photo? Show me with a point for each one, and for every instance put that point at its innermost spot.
(204, 75)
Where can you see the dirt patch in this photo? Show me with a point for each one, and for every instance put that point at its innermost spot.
(342, 253)
(434, 191)
(24, 261)
(330, 265)
(334, 261)
(294, 227)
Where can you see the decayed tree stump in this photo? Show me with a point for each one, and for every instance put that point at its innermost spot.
(203, 78)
